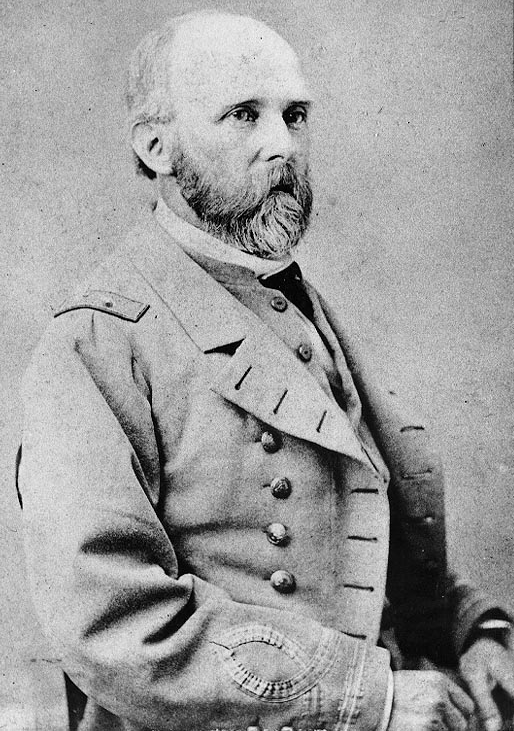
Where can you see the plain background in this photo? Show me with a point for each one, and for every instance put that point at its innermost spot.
(411, 238)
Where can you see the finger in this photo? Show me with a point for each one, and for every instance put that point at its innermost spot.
(502, 671)
(485, 705)
(454, 719)
(460, 699)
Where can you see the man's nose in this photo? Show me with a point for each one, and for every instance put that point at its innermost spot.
(276, 141)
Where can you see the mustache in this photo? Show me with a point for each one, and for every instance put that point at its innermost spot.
(284, 178)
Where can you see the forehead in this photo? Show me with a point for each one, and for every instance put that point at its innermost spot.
(217, 62)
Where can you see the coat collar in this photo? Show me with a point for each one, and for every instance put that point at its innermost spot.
(263, 377)
(194, 241)
(208, 313)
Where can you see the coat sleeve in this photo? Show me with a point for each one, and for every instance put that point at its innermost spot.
(433, 612)
(162, 650)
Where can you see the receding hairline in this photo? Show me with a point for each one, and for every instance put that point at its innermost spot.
(223, 36)
(174, 29)
(149, 68)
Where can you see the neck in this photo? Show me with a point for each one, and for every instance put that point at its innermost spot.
(170, 193)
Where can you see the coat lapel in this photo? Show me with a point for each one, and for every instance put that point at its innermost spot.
(263, 377)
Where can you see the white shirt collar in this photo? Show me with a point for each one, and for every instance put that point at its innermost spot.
(195, 240)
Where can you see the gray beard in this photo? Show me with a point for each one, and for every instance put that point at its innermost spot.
(268, 223)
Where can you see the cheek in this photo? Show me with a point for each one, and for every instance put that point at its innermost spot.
(215, 147)
(231, 156)
(302, 149)
(230, 167)
(225, 159)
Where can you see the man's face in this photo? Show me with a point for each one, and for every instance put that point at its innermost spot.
(241, 137)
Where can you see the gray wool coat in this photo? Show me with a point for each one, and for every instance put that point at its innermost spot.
(210, 536)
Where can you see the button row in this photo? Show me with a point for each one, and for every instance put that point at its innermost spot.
(282, 581)
(304, 350)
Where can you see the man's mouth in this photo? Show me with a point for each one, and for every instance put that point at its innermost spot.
(282, 188)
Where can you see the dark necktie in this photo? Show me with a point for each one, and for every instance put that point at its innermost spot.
(289, 282)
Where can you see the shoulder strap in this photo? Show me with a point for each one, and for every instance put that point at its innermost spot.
(110, 302)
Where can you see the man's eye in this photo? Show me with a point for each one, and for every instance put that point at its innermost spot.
(243, 115)
(295, 117)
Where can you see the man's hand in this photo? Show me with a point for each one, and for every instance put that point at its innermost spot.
(485, 666)
(428, 701)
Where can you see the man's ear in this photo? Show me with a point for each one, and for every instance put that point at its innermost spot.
(153, 143)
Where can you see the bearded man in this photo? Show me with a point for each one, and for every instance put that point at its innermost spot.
(206, 460)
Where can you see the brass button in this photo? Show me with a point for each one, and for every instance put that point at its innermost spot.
(283, 582)
(305, 352)
(279, 304)
(270, 442)
(280, 488)
(277, 534)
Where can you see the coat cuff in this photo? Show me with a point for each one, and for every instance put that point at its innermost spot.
(471, 608)
(373, 701)
(388, 707)
(344, 683)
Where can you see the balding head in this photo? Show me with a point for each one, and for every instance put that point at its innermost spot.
(218, 109)
(193, 51)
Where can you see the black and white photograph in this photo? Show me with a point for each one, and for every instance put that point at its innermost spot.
(257, 435)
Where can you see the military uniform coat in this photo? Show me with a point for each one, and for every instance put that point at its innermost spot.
(207, 529)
